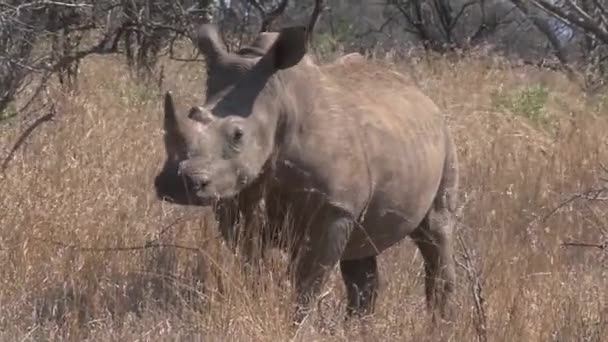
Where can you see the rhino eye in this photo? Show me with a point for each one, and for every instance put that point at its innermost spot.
(237, 135)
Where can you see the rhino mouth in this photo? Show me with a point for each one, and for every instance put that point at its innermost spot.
(180, 194)
(173, 190)
(189, 200)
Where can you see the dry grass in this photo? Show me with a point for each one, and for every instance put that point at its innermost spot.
(86, 180)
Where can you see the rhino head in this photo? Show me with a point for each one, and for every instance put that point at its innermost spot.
(219, 148)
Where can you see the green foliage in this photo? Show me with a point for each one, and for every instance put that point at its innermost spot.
(528, 102)
(602, 106)
(329, 42)
(325, 44)
(9, 112)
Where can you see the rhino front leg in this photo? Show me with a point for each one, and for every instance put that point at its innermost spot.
(319, 254)
(226, 214)
(239, 229)
(434, 239)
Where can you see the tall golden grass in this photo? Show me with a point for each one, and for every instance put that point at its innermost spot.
(78, 207)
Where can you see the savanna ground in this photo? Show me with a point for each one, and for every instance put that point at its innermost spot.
(78, 195)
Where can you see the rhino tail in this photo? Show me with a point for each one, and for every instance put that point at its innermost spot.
(447, 194)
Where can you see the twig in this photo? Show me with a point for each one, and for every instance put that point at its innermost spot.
(45, 118)
(603, 167)
(320, 302)
(602, 246)
(372, 30)
(268, 17)
(147, 245)
(29, 333)
(476, 291)
(40, 88)
(62, 4)
(593, 194)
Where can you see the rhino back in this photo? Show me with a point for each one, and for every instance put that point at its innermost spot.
(375, 146)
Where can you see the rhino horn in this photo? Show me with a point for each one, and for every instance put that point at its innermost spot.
(174, 124)
(209, 43)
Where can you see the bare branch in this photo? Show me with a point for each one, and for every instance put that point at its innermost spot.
(576, 17)
(62, 4)
(604, 168)
(314, 18)
(23, 137)
(476, 290)
(603, 12)
(543, 26)
(592, 194)
(268, 17)
(372, 30)
(461, 12)
(258, 6)
(416, 21)
(139, 29)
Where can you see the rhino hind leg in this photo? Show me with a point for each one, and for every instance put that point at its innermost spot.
(434, 240)
(434, 237)
(361, 280)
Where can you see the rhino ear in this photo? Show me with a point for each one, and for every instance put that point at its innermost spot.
(209, 43)
(201, 115)
(289, 47)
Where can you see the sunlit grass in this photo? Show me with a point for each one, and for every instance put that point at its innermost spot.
(85, 180)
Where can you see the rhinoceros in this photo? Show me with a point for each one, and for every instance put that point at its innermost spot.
(358, 158)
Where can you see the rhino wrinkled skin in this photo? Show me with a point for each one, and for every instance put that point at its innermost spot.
(353, 157)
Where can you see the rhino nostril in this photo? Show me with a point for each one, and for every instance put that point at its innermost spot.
(204, 182)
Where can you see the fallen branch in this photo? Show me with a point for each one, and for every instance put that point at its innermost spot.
(22, 138)
(153, 243)
(150, 244)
